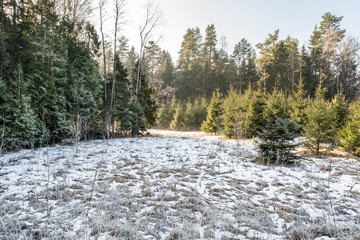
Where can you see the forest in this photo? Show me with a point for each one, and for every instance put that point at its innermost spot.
(62, 80)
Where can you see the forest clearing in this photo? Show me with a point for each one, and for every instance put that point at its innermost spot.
(176, 185)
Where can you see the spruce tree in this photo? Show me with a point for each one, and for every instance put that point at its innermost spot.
(341, 110)
(178, 122)
(166, 113)
(231, 111)
(318, 129)
(213, 122)
(276, 105)
(350, 133)
(256, 113)
(276, 141)
(298, 105)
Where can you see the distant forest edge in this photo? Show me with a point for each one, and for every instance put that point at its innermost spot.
(63, 81)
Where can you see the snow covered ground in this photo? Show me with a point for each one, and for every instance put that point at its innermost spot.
(174, 186)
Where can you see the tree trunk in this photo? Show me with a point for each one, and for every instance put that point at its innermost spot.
(101, 5)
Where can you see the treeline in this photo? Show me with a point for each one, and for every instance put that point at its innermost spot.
(51, 86)
(205, 64)
(184, 116)
(323, 123)
(61, 80)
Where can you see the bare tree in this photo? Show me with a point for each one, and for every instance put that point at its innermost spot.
(153, 18)
(77, 10)
(76, 129)
(3, 140)
(346, 63)
(119, 21)
(102, 12)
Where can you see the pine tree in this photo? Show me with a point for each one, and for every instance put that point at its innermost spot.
(213, 122)
(276, 141)
(319, 127)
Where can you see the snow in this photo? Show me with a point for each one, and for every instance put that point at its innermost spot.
(175, 185)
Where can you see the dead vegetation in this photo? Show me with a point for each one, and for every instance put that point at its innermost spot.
(171, 188)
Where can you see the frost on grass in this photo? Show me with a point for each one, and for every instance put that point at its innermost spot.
(174, 188)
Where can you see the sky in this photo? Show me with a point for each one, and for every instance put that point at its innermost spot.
(237, 19)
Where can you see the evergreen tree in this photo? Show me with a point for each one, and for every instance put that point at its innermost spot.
(122, 97)
(256, 113)
(276, 141)
(197, 113)
(145, 98)
(213, 122)
(178, 122)
(137, 121)
(340, 110)
(166, 113)
(231, 111)
(276, 106)
(319, 127)
(350, 133)
(298, 105)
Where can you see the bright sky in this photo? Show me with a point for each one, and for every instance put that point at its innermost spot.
(235, 19)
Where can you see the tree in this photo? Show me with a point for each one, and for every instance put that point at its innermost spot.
(298, 105)
(276, 105)
(319, 127)
(178, 122)
(350, 133)
(278, 63)
(276, 141)
(152, 21)
(209, 52)
(213, 122)
(190, 78)
(166, 113)
(340, 110)
(243, 56)
(231, 111)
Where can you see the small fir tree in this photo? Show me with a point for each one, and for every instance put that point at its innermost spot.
(341, 110)
(166, 114)
(256, 113)
(231, 111)
(319, 127)
(213, 122)
(276, 141)
(350, 133)
(298, 105)
(178, 122)
(276, 105)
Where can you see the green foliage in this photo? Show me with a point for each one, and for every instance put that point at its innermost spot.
(166, 113)
(256, 113)
(195, 113)
(298, 105)
(136, 118)
(350, 133)
(213, 122)
(276, 105)
(276, 141)
(231, 107)
(178, 122)
(319, 127)
(340, 109)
